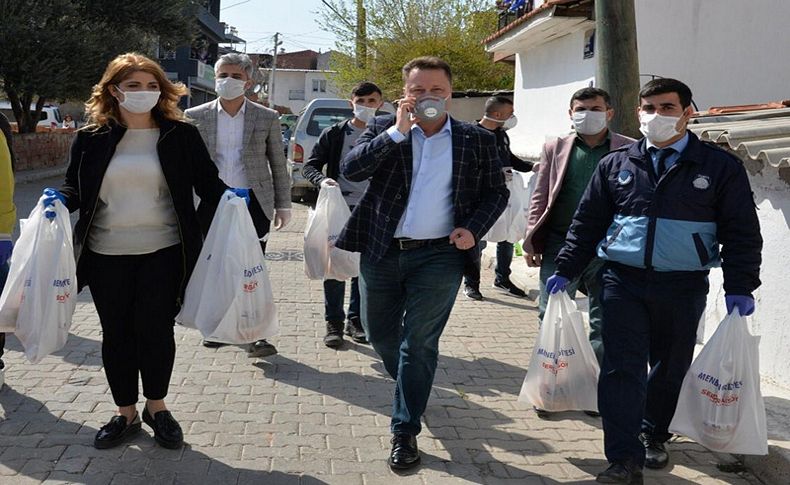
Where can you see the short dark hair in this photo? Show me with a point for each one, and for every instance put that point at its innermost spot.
(665, 85)
(591, 93)
(494, 103)
(365, 88)
(427, 62)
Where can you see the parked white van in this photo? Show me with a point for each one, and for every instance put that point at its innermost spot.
(318, 115)
(50, 115)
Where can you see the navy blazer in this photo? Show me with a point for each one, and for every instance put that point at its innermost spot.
(479, 192)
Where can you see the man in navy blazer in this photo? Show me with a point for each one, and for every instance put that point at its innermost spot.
(436, 187)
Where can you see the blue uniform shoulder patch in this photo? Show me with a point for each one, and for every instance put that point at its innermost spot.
(625, 177)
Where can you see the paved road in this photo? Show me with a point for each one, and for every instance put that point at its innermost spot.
(309, 415)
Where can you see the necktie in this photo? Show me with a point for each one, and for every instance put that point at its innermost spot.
(661, 158)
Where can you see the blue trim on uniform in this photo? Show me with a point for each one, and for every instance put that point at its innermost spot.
(625, 241)
(685, 246)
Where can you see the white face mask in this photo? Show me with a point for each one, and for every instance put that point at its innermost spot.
(589, 122)
(364, 113)
(229, 88)
(139, 101)
(658, 128)
(506, 124)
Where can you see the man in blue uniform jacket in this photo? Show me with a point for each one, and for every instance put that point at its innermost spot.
(436, 188)
(660, 212)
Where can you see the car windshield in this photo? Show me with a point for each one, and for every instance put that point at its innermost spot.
(322, 118)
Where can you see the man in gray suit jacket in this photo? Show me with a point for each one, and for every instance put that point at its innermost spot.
(245, 143)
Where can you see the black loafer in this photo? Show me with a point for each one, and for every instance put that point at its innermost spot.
(210, 344)
(656, 454)
(404, 454)
(261, 348)
(116, 431)
(167, 431)
(621, 473)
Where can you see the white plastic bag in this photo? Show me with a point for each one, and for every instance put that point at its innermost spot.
(40, 294)
(322, 260)
(512, 224)
(229, 296)
(720, 405)
(563, 370)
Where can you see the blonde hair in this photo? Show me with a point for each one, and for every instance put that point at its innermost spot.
(102, 108)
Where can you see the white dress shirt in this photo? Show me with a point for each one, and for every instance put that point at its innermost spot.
(230, 143)
(429, 210)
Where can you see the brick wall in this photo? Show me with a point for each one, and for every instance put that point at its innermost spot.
(41, 150)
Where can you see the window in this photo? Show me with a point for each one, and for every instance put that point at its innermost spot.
(296, 94)
(323, 118)
(319, 85)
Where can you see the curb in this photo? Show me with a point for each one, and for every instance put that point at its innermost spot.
(28, 176)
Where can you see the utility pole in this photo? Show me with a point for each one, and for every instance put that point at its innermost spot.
(277, 44)
(361, 31)
(618, 61)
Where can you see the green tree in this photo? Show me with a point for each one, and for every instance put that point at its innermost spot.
(400, 30)
(58, 49)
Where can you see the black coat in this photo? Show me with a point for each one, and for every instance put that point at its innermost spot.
(186, 165)
(327, 151)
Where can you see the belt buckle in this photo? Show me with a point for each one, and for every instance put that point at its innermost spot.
(400, 244)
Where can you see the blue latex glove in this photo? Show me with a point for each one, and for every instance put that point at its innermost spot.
(556, 283)
(744, 303)
(51, 196)
(243, 193)
(5, 251)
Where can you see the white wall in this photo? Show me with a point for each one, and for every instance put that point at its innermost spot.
(546, 77)
(286, 81)
(769, 321)
(728, 51)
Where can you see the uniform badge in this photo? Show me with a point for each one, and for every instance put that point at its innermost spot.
(624, 177)
(701, 182)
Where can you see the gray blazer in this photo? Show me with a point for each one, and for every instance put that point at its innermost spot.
(264, 160)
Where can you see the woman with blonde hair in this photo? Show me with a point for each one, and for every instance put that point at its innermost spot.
(131, 175)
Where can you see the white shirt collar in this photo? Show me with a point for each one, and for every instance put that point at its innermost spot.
(446, 127)
(220, 109)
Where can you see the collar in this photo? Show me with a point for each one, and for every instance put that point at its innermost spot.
(678, 146)
(447, 127)
(243, 108)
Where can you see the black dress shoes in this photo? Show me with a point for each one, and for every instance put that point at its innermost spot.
(656, 454)
(261, 348)
(621, 473)
(404, 454)
(116, 431)
(167, 431)
(355, 331)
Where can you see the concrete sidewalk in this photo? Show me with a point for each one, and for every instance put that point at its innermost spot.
(310, 415)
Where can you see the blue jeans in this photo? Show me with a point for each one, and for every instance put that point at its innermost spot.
(649, 317)
(591, 279)
(407, 298)
(504, 256)
(334, 295)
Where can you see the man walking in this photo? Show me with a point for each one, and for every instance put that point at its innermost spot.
(334, 143)
(498, 118)
(657, 212)
(245, 142)
(436, 187)
(565, 168)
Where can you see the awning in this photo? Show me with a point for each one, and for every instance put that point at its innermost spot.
(761, 135)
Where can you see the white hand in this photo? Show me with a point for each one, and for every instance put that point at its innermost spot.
(328, 182)
(281, 218)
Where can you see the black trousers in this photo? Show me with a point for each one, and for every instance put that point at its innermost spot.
(262, 223)
(136, 299)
